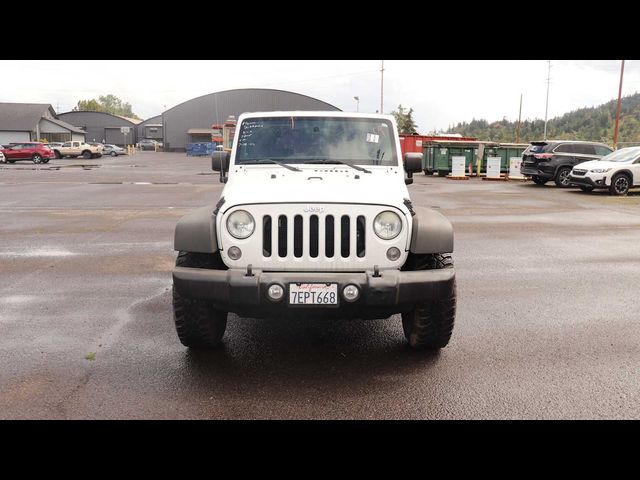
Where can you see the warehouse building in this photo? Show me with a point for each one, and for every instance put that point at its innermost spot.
(103, 127)
(151, 128)
(191, 121)
(30, 122)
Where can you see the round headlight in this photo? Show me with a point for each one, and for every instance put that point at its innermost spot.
(387, 225)
(240, 224)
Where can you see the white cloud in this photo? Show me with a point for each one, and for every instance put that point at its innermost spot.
(440, 92)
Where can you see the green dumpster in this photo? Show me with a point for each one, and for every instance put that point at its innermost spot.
(505, 151)
(437, 156)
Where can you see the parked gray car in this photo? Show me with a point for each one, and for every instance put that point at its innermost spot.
(148, 144)
(113, 150)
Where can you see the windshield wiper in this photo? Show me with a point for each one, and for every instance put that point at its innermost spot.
(264, 161)
(338, 162)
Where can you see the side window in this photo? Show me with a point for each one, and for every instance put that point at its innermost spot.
(585, 149)
(76, 144)
(564, 148)
(602, 151)
(66, 144)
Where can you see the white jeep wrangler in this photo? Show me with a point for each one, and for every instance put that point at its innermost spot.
(314, 220)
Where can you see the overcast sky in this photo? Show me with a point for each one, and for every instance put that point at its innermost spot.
(440, 92)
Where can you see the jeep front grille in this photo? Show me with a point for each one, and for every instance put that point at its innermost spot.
(337, 235)
(314, 237)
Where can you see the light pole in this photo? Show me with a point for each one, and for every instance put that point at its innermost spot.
(546, 108)
(382, 88)
(357, 99)
(615, 131)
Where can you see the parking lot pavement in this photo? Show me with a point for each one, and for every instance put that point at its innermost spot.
(546, 324)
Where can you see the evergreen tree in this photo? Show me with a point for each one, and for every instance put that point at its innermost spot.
(404, 119)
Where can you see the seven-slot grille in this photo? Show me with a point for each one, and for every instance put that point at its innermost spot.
(332, 237)
(578, 172)
(313, 236)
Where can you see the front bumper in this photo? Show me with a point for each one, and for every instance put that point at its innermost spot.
(392, 292)
(588, 181)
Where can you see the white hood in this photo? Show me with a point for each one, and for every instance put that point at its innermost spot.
(315, 184)
(598, 164)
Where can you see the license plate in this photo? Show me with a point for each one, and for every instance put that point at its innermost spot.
(313, 294)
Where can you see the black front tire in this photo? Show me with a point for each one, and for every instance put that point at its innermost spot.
(36, 158)
(114, 154)
(198, 323)
(562, 177)
(87, 154)
(429, 325)
(620, 185)
(539, 180)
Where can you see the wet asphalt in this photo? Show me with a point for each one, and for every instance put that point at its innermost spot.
(547, 324)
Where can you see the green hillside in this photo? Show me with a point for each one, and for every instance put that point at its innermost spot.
(595, 124)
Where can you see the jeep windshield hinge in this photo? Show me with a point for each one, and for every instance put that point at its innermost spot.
(218, 205)
(409, 205)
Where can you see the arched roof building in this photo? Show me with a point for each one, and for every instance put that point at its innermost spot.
(191, 121)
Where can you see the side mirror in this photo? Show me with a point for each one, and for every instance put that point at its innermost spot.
(220, 163)
(412, 162)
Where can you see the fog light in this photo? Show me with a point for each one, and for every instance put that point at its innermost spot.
(393, 254)
(234, 253)
(275, 292)
(350, 293)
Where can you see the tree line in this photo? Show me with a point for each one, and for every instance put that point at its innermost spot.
(593, 124)
(107, 104)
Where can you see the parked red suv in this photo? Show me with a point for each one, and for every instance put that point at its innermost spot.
(35, 151)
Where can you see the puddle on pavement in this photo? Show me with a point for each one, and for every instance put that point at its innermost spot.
(39, 252)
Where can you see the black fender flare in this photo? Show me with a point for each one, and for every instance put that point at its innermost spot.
(628, 173)
(196, 232)
(431, 232)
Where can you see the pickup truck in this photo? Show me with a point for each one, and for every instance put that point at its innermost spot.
(77, 149)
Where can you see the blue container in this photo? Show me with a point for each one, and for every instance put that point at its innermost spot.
(201, 149)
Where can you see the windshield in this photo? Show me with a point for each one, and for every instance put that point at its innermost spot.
(623, 155)
(361, 141)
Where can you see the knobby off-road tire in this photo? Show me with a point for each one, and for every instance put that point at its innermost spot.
(198, 324)
(429, 325)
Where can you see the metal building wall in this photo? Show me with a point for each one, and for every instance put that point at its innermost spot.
(141, 130)
(202, 112)
(97, 124)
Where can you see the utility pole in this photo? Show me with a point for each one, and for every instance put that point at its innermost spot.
(615, 131)
(546, 109)
(519, 117)
(382, 88)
